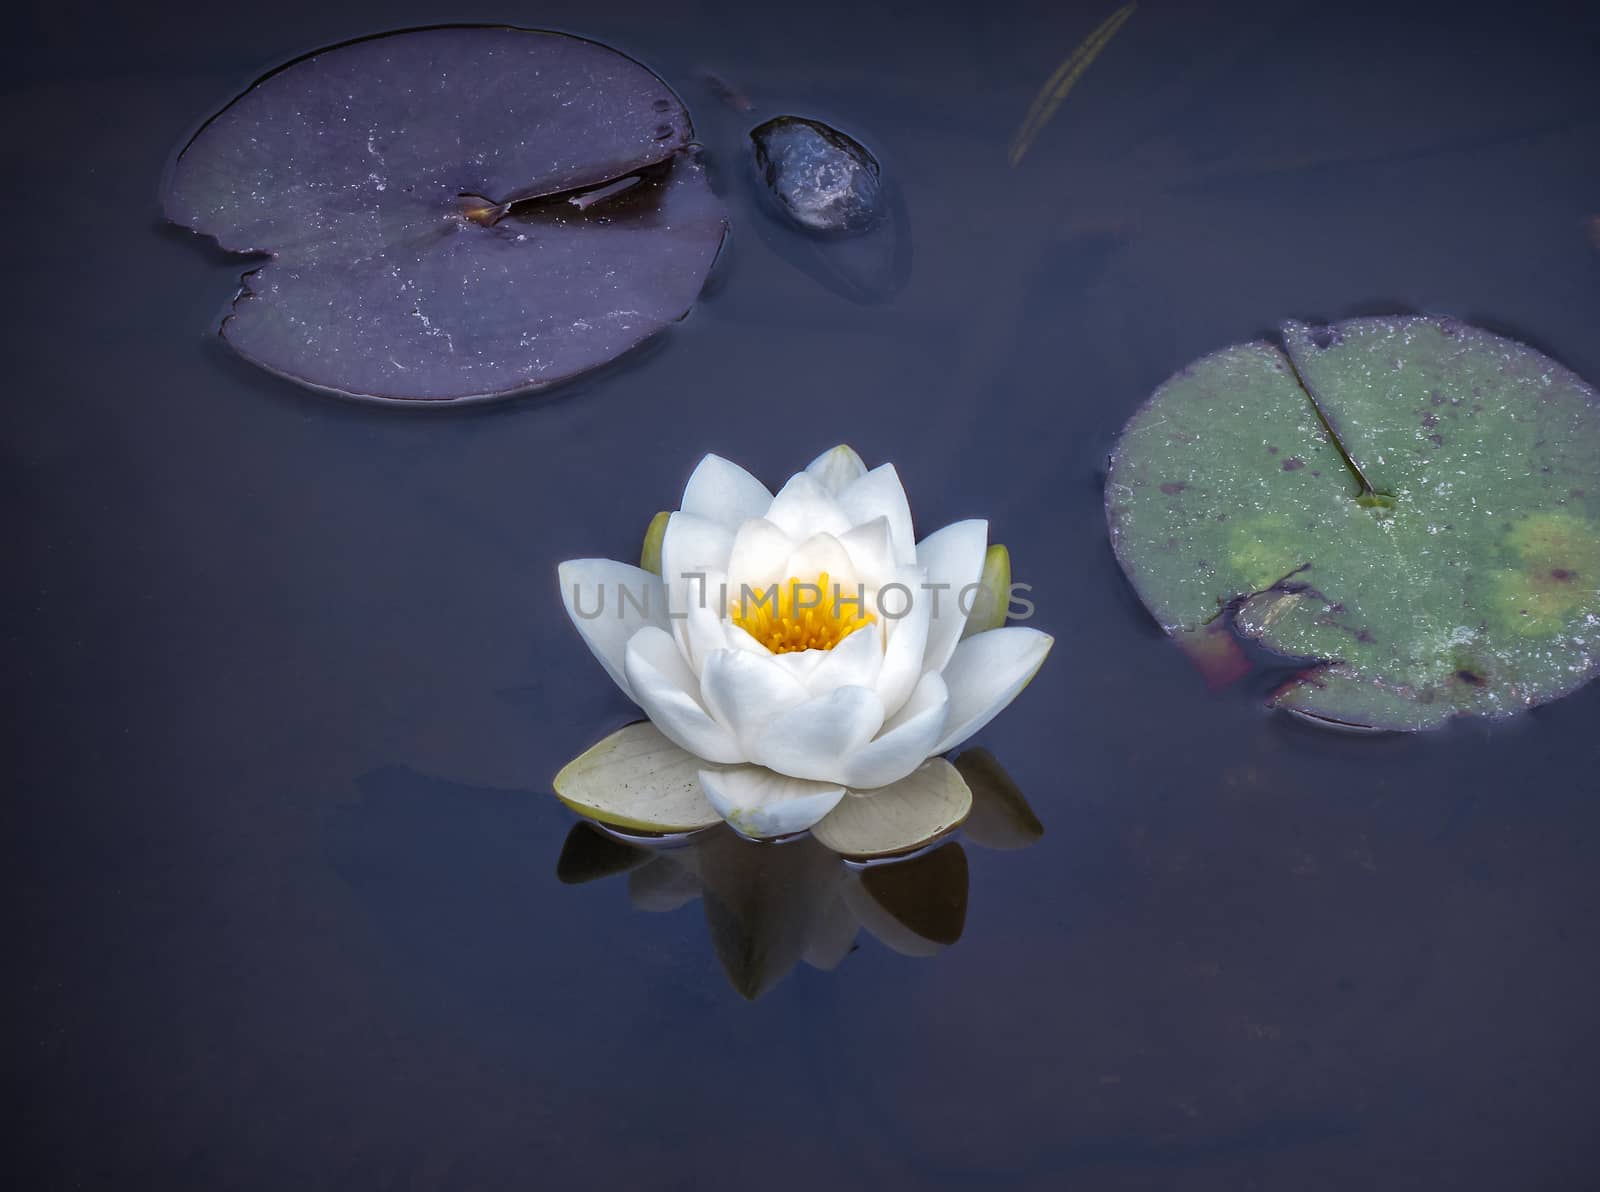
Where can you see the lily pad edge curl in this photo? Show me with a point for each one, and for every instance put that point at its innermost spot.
(1409, 505)
(537, 193)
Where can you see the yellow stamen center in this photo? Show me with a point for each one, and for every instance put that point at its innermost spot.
(798, 615)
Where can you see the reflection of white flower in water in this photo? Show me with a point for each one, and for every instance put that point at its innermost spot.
(793, 651)
(769, 908)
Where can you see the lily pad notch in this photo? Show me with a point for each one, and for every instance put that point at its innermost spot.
(1410, 504)
(452, 214)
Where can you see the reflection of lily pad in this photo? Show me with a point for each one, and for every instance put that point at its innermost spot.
(1410, 503)
(1000, 816)
(590, 853)
(927, 895)
(452, 213)
(769, 906)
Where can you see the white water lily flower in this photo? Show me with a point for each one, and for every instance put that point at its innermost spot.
(795, 650)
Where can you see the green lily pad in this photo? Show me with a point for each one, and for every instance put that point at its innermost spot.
(926, 804)
(637, 780)
(1410, 504)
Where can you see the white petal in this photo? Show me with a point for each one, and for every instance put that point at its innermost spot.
(692, 604)
(667, 690)
(823, 553)
(739, 639)
(905, 637)
(747, 691)
(854, 662)
(803, 508)
(694, 545)
(637, 779)
(799, 663)
(837, 468)
(760, 551)
(924, 805)
(627, 599)
(880, 494)
(724, 492)
(812, 740)
(702, 629)
(759, 804)
(871, 551)
(907, 739)
(985, 674)
(953, 557)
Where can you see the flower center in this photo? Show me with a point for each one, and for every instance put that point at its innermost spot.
(800, 615)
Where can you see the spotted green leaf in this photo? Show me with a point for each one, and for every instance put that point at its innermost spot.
(1410, 504)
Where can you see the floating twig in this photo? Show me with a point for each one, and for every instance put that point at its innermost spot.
(1062, 81)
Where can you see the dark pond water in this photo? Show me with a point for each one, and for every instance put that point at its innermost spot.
(289, 677)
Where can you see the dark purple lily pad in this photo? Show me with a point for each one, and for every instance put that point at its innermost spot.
(451, 212)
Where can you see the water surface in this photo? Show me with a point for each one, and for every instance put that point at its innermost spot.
(290, 676)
